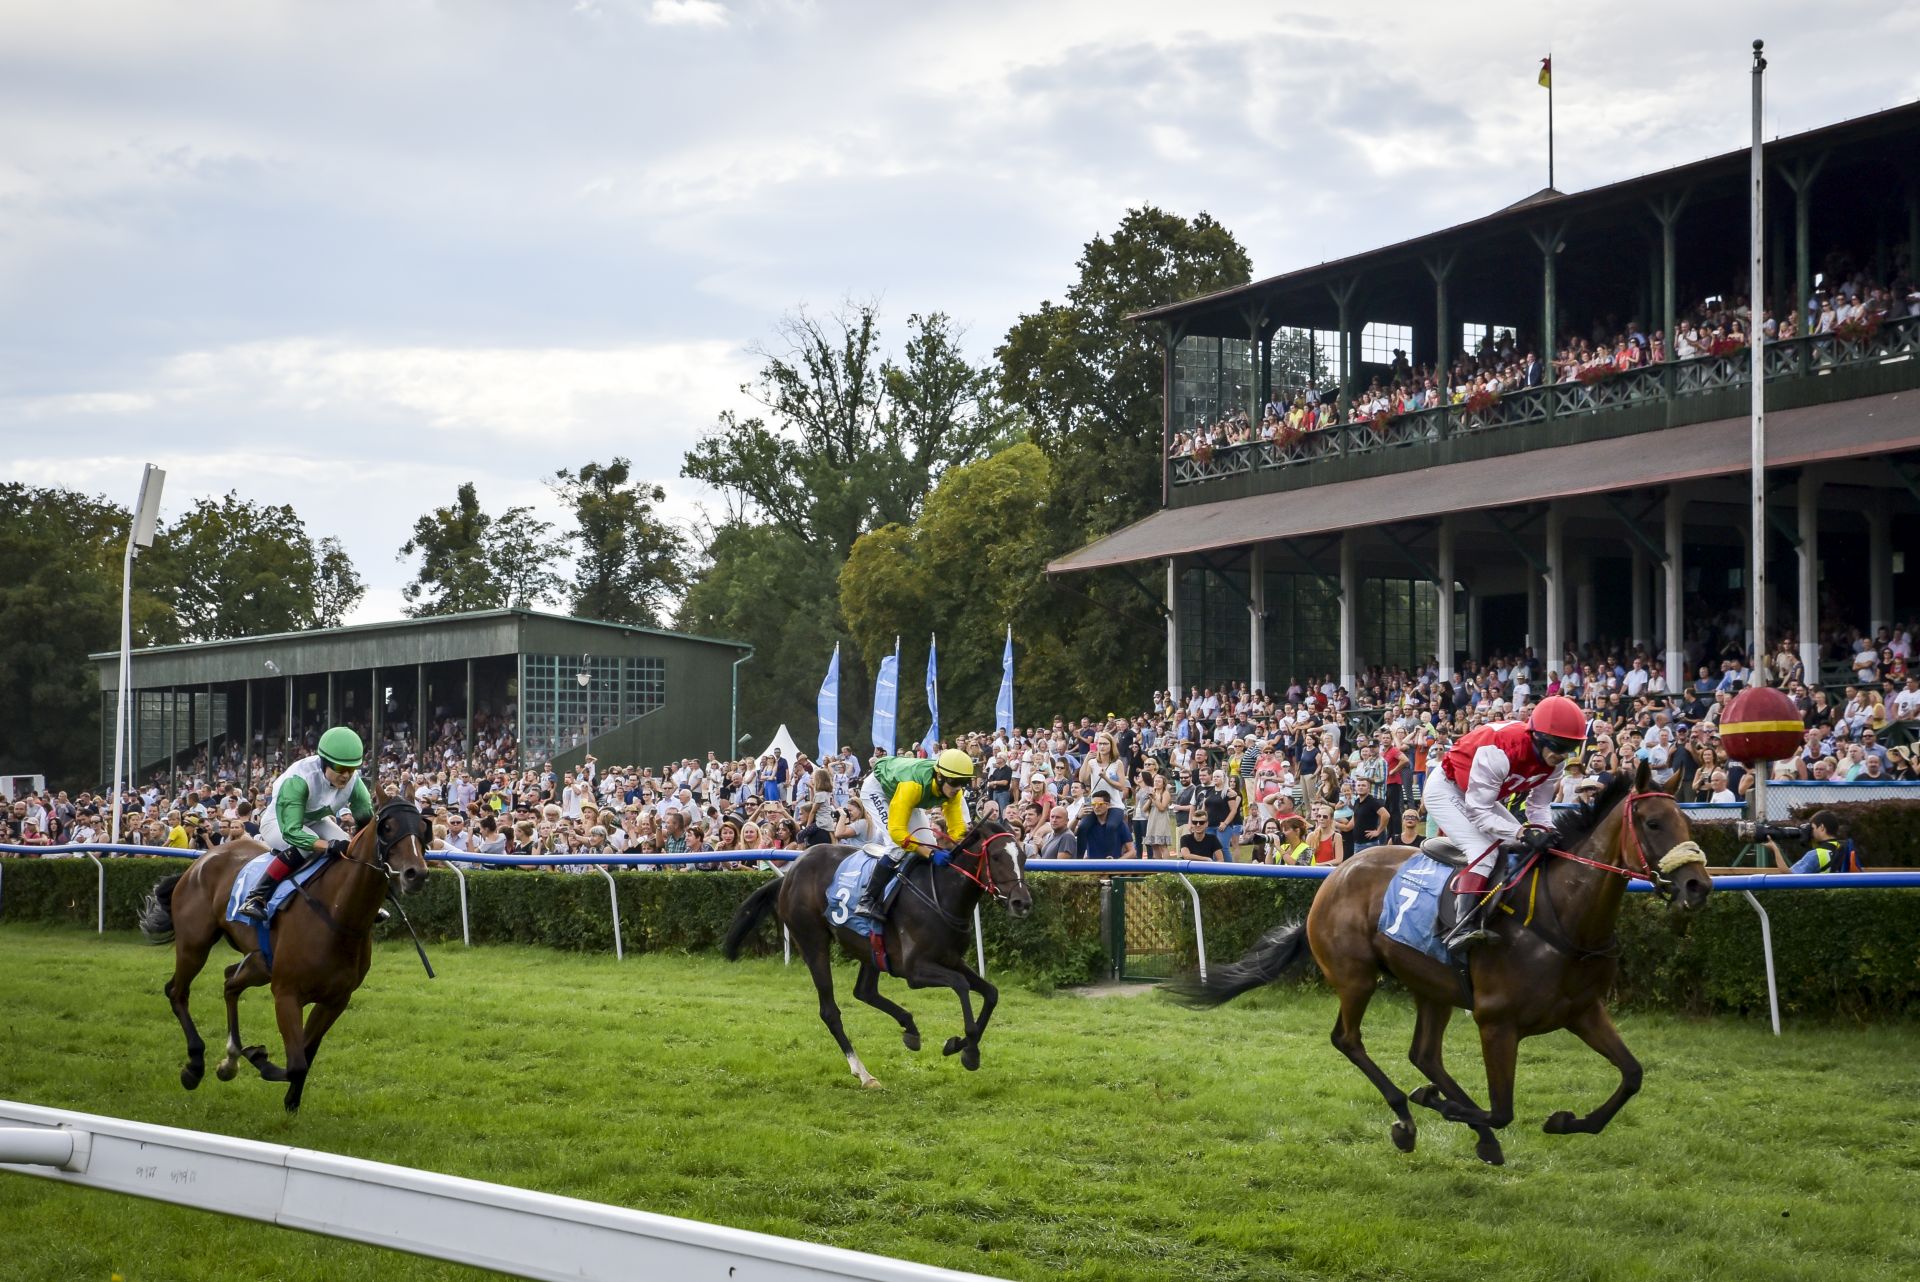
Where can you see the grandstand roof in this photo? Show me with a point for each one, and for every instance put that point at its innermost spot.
(1483, 276)
(1843, 429)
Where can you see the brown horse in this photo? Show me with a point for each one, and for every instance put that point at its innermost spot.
(928, 929)
(322, 939)
(1527, 980)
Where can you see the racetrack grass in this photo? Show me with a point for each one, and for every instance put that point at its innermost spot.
(1115, 1138)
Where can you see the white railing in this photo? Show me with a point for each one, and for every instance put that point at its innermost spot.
(489, 1226)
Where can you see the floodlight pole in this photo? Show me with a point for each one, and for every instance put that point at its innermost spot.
(1757, 345)
(146, 512)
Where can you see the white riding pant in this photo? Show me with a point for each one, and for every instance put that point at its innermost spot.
(1447, 806)
(324, 828)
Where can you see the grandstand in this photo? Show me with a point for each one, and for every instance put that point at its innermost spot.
(1530, 431)
(647, 694)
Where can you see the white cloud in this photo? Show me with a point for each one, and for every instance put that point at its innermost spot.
(687, 13)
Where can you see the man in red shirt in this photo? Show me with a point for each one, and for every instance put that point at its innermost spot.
(1469, 789)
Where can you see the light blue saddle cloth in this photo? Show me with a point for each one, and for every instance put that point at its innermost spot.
(844, 891)
(250, 877)
(1409, 914)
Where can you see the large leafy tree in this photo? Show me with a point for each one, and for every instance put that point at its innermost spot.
(971, 565)
(60, 564)
(770, 588)
(1088, 378)
(236, 568)
(627, 560)
(470, 560)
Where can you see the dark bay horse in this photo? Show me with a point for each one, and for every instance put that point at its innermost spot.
(320, 953)
(1527, 980)
(928, 929)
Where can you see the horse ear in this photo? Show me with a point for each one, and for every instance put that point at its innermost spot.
(1643, 777)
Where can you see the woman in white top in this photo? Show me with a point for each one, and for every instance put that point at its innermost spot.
(1104, 771)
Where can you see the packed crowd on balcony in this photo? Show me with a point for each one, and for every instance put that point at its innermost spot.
(1851, 304)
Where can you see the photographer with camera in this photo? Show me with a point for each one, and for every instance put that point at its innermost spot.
(1828, 851)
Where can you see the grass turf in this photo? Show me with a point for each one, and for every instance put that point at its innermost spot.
(1119, 1138)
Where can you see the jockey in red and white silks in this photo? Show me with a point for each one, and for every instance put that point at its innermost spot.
(1468, 791)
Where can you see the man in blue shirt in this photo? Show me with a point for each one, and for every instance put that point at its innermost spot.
(1103, 832)
(1827, 853)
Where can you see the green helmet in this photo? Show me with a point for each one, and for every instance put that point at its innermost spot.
(341, 747)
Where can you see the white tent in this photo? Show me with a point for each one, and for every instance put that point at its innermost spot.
(783, 741)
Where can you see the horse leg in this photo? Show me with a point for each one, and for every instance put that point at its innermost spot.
(1595, 1027)
(1499, 1048)
(926, 974)
(319, 1020)
(287, 1012)
(818, 954)
(989, 998)
(242, 975)
(866, 986)
(1429, 1042)
(187, 962)
(1356, 991)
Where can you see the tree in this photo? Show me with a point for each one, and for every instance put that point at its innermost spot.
(235, 568)
(60, 562)
(1089, 379)
(972, 564)
(472, 561)
(627, 559)
(768, 587)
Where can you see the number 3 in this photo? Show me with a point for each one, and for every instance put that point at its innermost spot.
(841, 909)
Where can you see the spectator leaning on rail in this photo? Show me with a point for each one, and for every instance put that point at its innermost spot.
(299, 821)
(1829, 852)
(1468, 792)
(1103, 831)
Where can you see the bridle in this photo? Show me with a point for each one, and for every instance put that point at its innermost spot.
(416, 829)
(1681, 854)
(981, 874)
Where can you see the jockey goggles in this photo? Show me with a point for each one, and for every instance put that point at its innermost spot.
(1553, 743)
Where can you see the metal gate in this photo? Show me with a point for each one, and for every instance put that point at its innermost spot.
(1144, 930)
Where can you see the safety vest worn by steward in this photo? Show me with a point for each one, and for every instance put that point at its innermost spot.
(301, 795)
(1524, 770)
(907, 783)
(1835, 856)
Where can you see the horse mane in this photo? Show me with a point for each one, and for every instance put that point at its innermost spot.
(1573, 828)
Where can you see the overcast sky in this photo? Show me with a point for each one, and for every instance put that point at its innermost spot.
(348, 255)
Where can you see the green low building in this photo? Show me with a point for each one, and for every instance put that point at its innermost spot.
(560, 684)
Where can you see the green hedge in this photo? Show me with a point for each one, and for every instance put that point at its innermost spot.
(1854, 953)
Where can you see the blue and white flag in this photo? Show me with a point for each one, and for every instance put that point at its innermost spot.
(886, 701)
(1003, 706)
(828, 709)
(933, 696)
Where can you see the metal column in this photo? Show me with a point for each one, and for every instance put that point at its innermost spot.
(1642, 606)
(373, 724)
(1443, 540)
(1879, 563)
(1173, 627)
(1675, 582)
(246, 744)
(1349, 612)
(1808, 624)
(1555, 583)
(1257, 619)
(468, 745)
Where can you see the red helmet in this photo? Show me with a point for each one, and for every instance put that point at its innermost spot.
(1558, 717)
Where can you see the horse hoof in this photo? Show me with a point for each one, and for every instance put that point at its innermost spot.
(1403, 1137)
(190, 1076)
(225, 1070)
(293, 1105)
(1426, 1097)
(1488, 1151)
(912, 1039)
(953, 1045)
(970, 1059)
(1561, 1123)
(872, 1084)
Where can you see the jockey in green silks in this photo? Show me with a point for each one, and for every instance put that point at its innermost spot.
(299, 820)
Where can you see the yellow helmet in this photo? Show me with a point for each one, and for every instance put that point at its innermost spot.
(953, 764)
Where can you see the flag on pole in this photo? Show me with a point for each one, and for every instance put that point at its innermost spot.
(1003, 706)
(1546, 73)
(828, 708)
(886, 700)
(933, 696)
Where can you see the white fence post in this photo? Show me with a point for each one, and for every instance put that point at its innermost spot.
(100, 895)
(466, 934)
(613, 890)
(1199, 932)
(1766, 950)
(979, 942)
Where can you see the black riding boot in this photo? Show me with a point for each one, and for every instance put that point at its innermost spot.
(1468, 928)
(872, 903)
(255, 904)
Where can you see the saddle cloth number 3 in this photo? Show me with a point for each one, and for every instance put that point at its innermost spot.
(842, 910)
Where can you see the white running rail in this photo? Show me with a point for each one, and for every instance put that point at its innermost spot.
(490, 1226)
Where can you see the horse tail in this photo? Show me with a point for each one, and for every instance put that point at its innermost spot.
(1278, 951)
(156, 915)
(758, 905)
